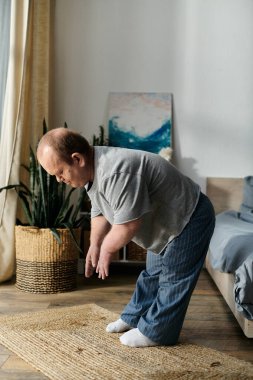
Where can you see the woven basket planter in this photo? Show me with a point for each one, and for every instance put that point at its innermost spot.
(43, 265)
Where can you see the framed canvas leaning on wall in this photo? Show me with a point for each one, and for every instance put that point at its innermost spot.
(140, 120)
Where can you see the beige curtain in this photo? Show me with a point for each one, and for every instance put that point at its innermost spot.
(26, 104)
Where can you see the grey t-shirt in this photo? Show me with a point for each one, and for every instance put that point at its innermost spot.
(130, 184)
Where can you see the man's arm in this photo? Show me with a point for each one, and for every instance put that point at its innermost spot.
(99, 228)
(118, 236)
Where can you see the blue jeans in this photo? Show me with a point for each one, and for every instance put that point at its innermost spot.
(163, 291)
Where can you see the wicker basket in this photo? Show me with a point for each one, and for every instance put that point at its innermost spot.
(43, 265)
(135, 252)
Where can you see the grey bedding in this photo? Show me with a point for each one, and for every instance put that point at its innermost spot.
(231, 251)
(243, 288)
(232, 242)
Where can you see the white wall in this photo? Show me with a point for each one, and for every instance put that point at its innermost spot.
(201, 51)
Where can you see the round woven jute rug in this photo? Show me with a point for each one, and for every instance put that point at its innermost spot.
(71, 343)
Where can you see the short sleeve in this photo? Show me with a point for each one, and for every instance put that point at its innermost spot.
(127, 195)
(95, 211)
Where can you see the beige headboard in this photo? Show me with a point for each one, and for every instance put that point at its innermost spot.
(225, 193)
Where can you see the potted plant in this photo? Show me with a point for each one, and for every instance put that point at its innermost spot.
(47, 245)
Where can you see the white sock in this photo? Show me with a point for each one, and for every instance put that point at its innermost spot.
(135, 338)
(117, 326)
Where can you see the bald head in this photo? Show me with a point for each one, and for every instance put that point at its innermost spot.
(66, 155)
(64, 142)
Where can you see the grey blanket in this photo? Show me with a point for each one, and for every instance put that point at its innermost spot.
(232, 242)
(231, 251)
(243, 288)
(247, 202)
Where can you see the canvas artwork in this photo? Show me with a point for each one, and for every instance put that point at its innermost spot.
(140, 120)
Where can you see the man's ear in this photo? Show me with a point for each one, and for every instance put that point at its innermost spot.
(78, 159)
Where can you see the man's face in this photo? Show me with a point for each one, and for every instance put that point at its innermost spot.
(75, 174)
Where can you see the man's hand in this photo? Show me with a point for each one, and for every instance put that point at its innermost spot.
(91, 260)
(104, 261)
(118, 236)
(105, 241)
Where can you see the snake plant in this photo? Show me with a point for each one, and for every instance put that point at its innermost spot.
(47, 203)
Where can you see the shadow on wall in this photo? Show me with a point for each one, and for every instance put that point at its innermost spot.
(187, 165)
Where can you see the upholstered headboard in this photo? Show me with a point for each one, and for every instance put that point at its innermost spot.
(225, 193)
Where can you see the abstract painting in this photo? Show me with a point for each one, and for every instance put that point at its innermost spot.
(140, 120)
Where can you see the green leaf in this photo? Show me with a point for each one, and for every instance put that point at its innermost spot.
(22, 185)
(43, 188)
(32, 170)
(56, 234)
(16, 186)
(25, 167)
(8, 187)
(66, 216)
(84, 222)
(26, 207)
(45, 129)
(69, 227)
(64, 207)
(82, 196)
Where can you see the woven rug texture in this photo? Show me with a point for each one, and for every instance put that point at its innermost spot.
(70, 343)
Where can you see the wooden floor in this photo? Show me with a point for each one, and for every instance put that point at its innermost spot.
(208, 322)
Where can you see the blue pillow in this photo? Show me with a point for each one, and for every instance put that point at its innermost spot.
(247, 203)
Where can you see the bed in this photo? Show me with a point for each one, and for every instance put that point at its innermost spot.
(227, 194)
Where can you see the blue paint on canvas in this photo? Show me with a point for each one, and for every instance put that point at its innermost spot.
(153, 142)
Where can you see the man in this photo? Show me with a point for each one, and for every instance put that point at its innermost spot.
(138, 196)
